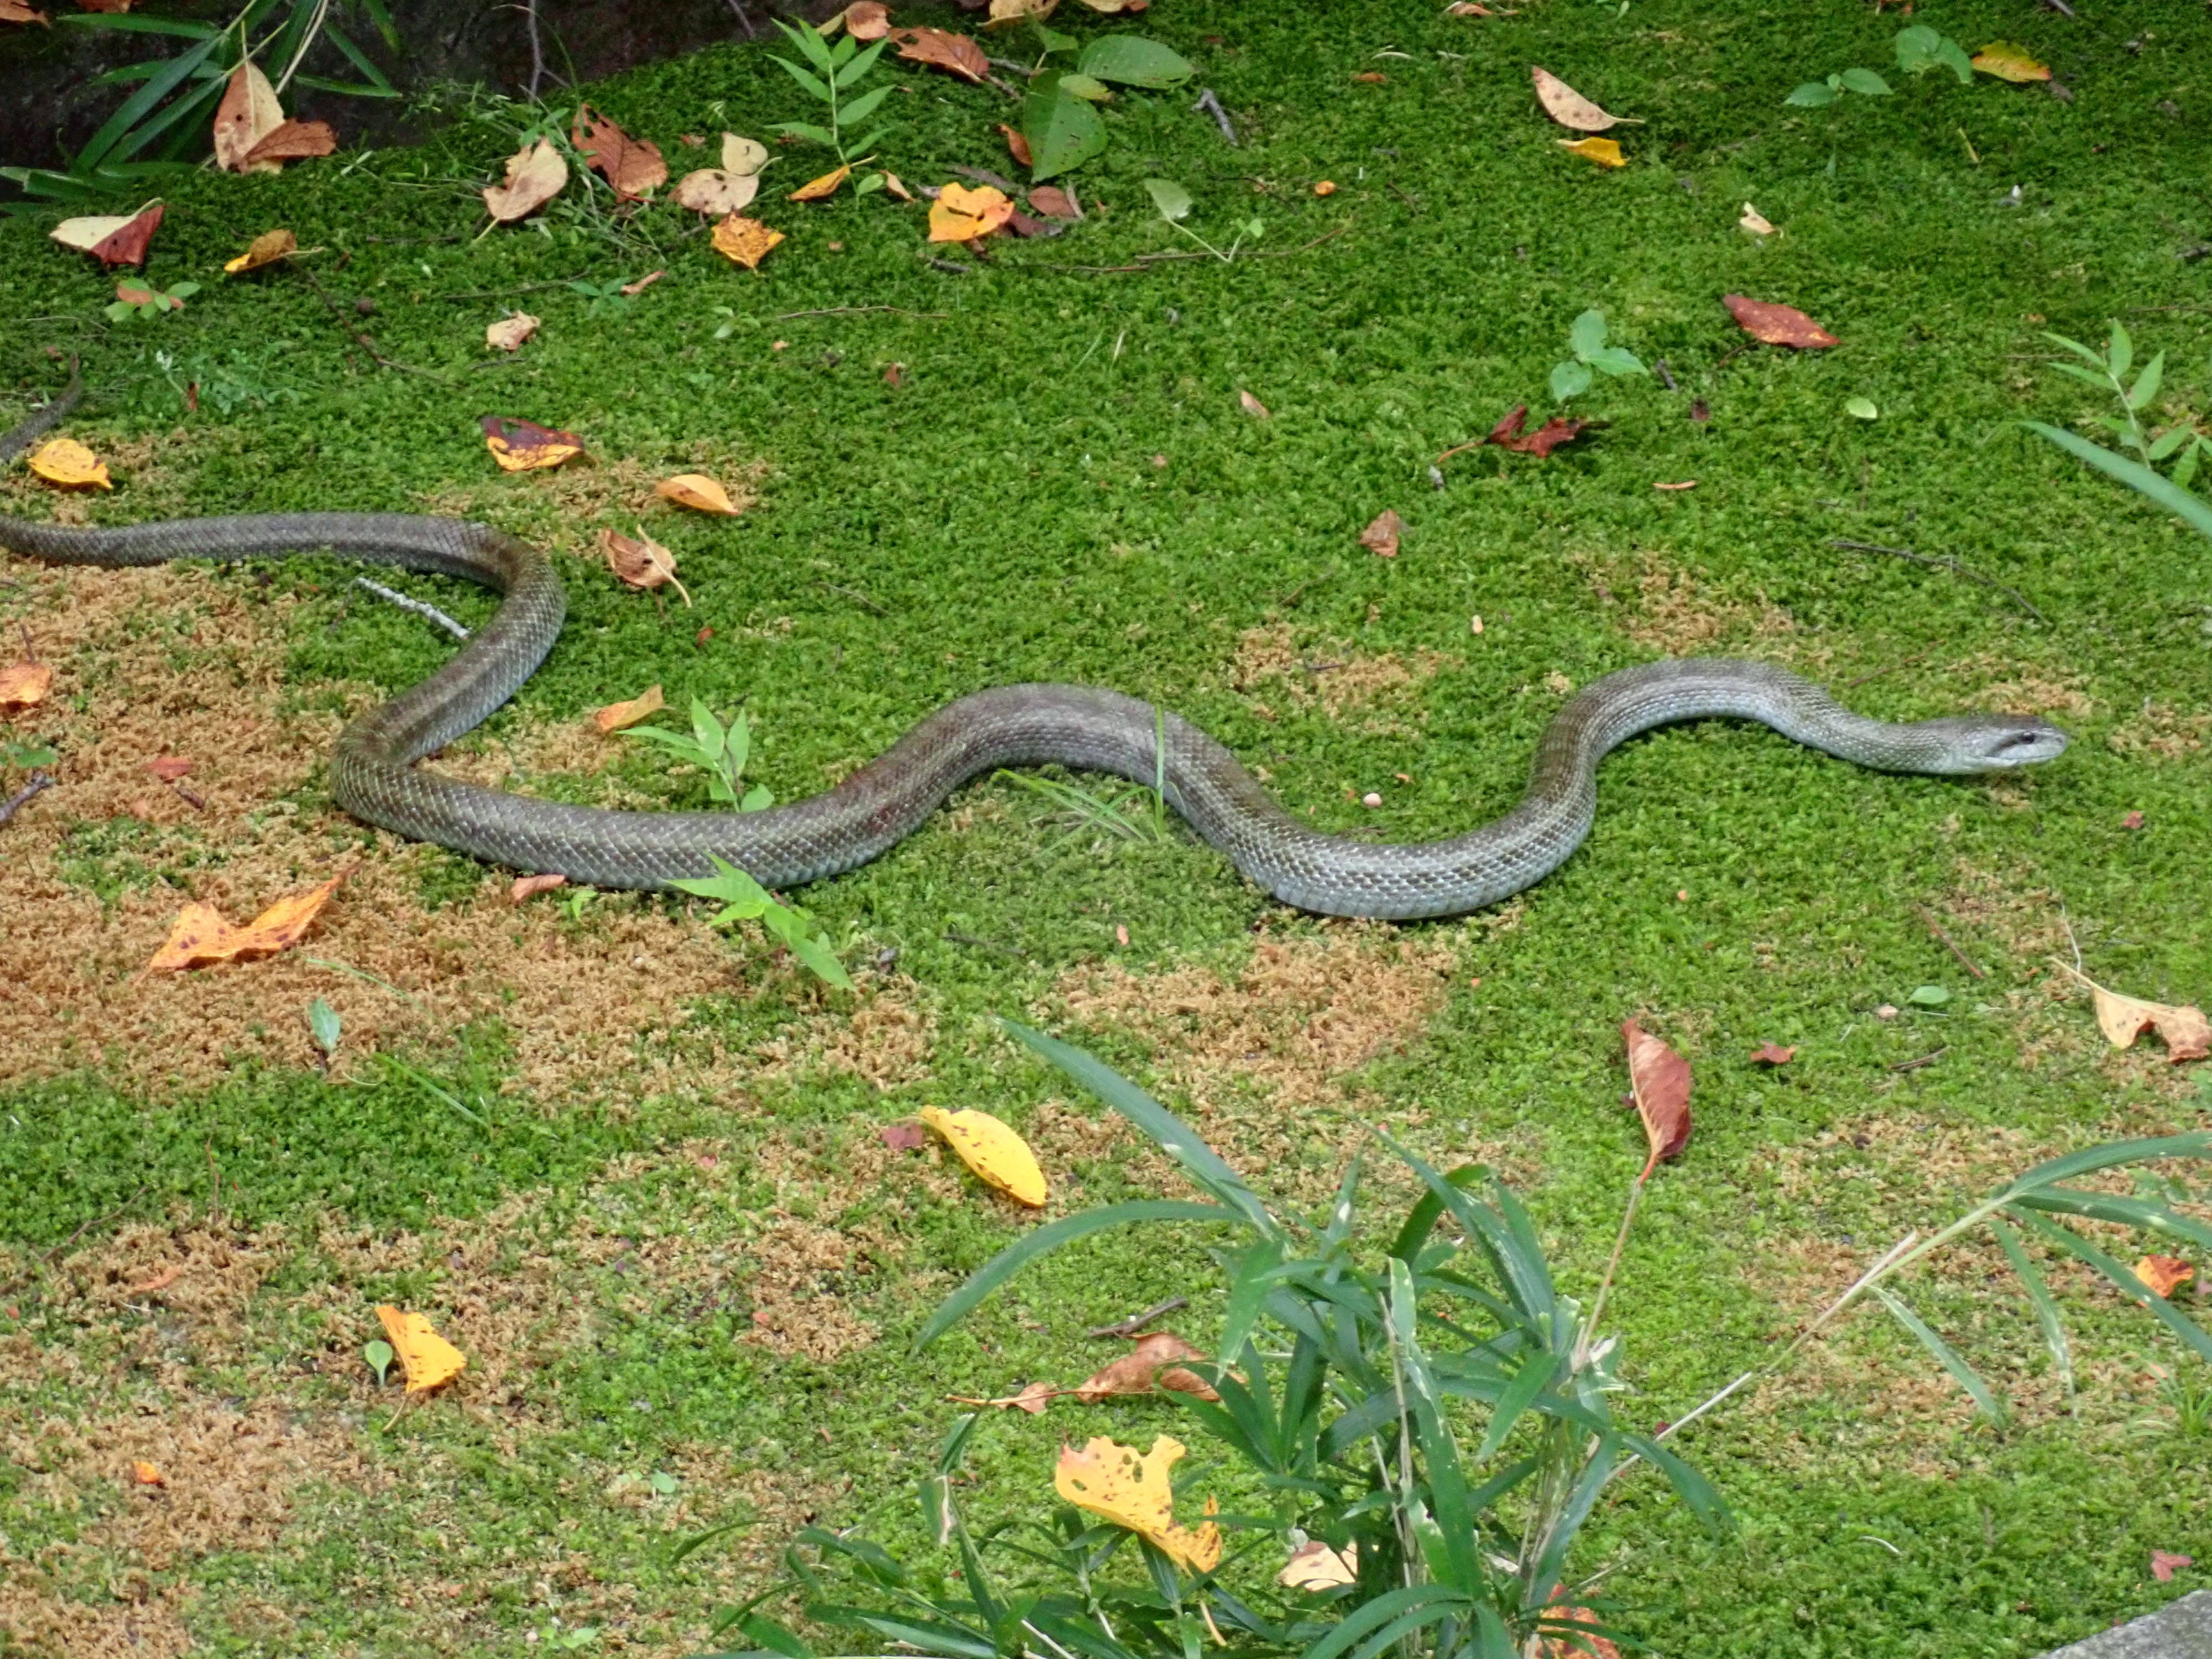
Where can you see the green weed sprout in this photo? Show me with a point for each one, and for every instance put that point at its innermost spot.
(143, 301)
(1814, 94)
(719, 750)
(1175, 204)
(1920, 49)
(2183, 444)
(1062, 129)
(1586, 340)
(835, 71)
(744, 899)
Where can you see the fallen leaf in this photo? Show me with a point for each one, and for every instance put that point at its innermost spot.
(66, 462)
(524, 445)
(1011, 13)
(817, 190)
(1033, 1399)
(1587, 1646)
(1776, 324)
(746, 241)
(1314, 1566)
(631, 290)
(1603, 151)
(894, 374)
(1699, 413)
(266, 249)
(1016, 145)
(640, 561)
(1371, 78)
(2165, 1563)
(716, 190)
(1053, 202)
(699, 492)
(160, 1281)
(147, 1474)
(954, 53)
(1253, 407)
(1507, 434)
(1754, 221)
(2132, 821)
(430, 1360)
(868, 20)
(632, 166)
(200, 936)
(508, 333)
(1117, 1484)
(118, 239)
(962, 214)
(904, 1137)
(1468, 8)
(529, 887)
(2122, 1019)
(248, 113)
(1146, 1369)
(534, 176)
(1768, 1053)
(992, 1151)
(24, 685)
(895, 185)
(14, 11)
(1661, 1080)
(2008, 61)
(2164, 1274)
(1381, 537)
(169, 768)
(616, 716)
(1686, 483)
(1325, 187)
(1566, 106)
(291, 141)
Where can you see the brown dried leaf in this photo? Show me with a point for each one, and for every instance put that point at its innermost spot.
(534, 176)
(200, 936)
(24, 685)
(1033, 1398)
(113, 240)
(631, 290)
(1507, 434)
(266, 249)
(1588, 1645)
(1314, 1566)
(160, 1281)
(1776, 325)
(1253, 407)
(508, 333)
(291, 141)
(617, 715)
(1566, 106)
(640, 561)
(1147, 1367)
(897, 186)
(2162, 1275)
(1053, 202)
(169, 768)
(1768, 1053)
(1661, 1080)
(2188, 1035)
(717, 191)
(632, 166)
(529, 887)
(1381, 537)
(868, 20)
(2165, 1563)
(524, 445)
(1018, 145)
(955, 53)
(745, 242)
(16, 11)
(248, 113)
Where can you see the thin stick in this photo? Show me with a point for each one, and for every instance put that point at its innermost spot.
(1136, 1322)
(1945, 938)
(984, 944)
(744, 19)
(854, 594)
(9, 807)
(1605, 1284)
(1924, 1059)
(1212, 105)
(1943, 562)
(1666, 378)
(537, 49)
(417, 606)
(947, 265)
(855, 311)
(360, 338)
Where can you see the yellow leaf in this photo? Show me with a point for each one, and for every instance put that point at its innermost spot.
(2187, 1033)
(2009, 61)
(1117, 1484)
(992, 1151)
(66, 462)
(698, 491)
(25, 684)
(1315, 1566)
(961, 215)
(1603, 151)
(524, 445)
(200, 936)
(534, 176)
(1011, 13)
(617, 716)
(747, 241)
(431, 1361)
(2162, 1275)
(815, 190)
(508, 333)
(265, 249)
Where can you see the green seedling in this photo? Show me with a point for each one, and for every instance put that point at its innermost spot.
(380, 1355)
(1814, 94)
(1057, 118)
(744, 899)
(1586, 340)
(143, 300)
(2181, 445)
(1920, 49)
(829, 74)
(323, 1024)
(719, 751)
(1175, 204)
(24, 755)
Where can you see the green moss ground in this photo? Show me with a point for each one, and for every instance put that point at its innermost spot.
(1001, 508)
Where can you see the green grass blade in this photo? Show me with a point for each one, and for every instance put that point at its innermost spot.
(1706, 1502)
(1421, 1220)
(1948, 1357)
(2194, 510)
(1374, 1615)
(1027, 1249)
(2198, 1143)
(1552, 1564)
(2142, 1212)
(2123, 1278)
(2040, 1298)
(98, 147)
(1535, 1376)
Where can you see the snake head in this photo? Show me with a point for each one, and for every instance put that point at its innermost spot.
(1993, 742)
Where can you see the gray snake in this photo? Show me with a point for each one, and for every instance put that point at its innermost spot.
(373, 775)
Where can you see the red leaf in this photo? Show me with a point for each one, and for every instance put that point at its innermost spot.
(904, 1137)
(2163, 1563)
(169, 768)
(1509, 428)
(1053, 202)
(1768, 1053)
(1507, 434)
(1776, 325)
(127, 246)
(1661, 1080)
(956, 53)
(294, 141)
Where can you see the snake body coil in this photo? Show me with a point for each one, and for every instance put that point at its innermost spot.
(373, 775)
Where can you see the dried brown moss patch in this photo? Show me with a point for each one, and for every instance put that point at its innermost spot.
(564, 508)
(1681, 613)
(1331, 674)
(2161, 732)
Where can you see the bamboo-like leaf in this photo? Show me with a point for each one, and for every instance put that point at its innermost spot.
(1696, 1491)
(1439, 1450)
(1535, 1375)
(2198, 1143)
(1422, 1219)
(2040, 1299)
(1551, 1563)
(2193, 508)
(1963, 1374)
(1382, 1610)
(173, 74)
(2123, 1278)
(2146, 1214)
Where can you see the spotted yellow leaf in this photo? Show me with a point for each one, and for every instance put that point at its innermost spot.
(1118, 1484)
(2008, 61)
(66, 462)
(263, 250)
(746, 241)
(431, 1361)
(992, 1151)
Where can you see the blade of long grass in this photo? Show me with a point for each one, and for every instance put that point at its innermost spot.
(1439, 1450)
(134, 107)
(1027, 1249)
(1374, 1615)
(1535, 1376)
(2123, 1278)
(1550, 1563)
(2148, 1214)
(1706, 1502)
(1948, 1357)
(177, 26)
(2040, 1299)
(2193, 508)
(354, 55)
(1421, 1220)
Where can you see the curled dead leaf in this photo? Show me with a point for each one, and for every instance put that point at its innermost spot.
(616, 716)
(66, 462)
(1146, 1369)
(113, 240)
(821, 188)
(1569, 107)
(1033, 1398)
(956, 54)
(641, 561)
(1754, 221)
(534, 175)
(999, 1156)
(633, 167)
(1660, 1078)
(1603, 151)
(1381, 537)
(1252, 406)
(745, 242)
(2186, 1033)
(895, 186)
(524, 445)
(200, 937)
(1776, 325)
(1017, 146)
(1118, 1484)
(699, 492)
(2162, 1275)
(631, 290)
(24, 685)
(1314, 1566)
(904, 1137)
(266, 249)
(529, 887)
(868, 20)
(508, 333)
(1768, 1053)
(1508, 434)
(428, 1359)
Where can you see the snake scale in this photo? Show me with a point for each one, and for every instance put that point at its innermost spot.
(373, 775)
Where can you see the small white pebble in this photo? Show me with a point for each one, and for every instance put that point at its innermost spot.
(1475, 627)
(1370, 799)
(1888, 1011)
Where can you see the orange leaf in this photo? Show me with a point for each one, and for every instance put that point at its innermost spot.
(524, 445)
(1371, 78)
(431, 1362)
(508, 333)
(1118, 1484)
(1508, 434)
(699, 492)
(640, 561)
(23, 684)
(1768, 1053)
(534, 176)
(897, 186)
(1603, 151)
(529, 887)
(961, 215)
(745, 240)
(2164, 1274)
(1381, 537)
(1586, 1645)
(1147, 1367)
(68, 463)
(113, 240)
(2122, 1019)
(632, 166)
(263, 250)
(617, 715)
(248, 113)
(147, 1474)
(1566, 106)
(16, 11)
(1660, 1078)
(817, 190)
(631, 290)
(200, 936)
(955, 53)
(1776, 324)
(868, 20)
(1018, 145)
(2009, 61)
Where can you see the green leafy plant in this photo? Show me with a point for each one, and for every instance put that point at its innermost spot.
(1814, 94)
(1920, 49)
(719, 750)
(24, 757)
(1058, 117)
(379, 1355)
(2181, 445)
(835, 71)
(744, 899)
(1586, 341)
(1173, 203)
(143, 301)
(324, 1025)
